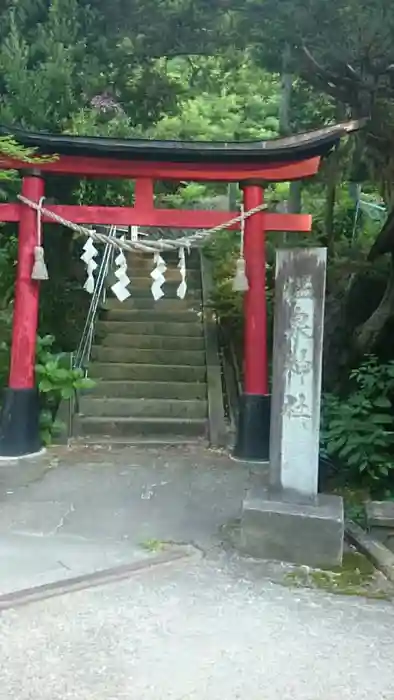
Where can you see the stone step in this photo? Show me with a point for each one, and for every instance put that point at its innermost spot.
(142, 278)
(148, 357)
(148, 303)
(124, 427)
(143, 408)
(192, 295)
(150, 390)
(148, 440)
(141, 316)
(147, 327)
(146, 373)
(151, 342)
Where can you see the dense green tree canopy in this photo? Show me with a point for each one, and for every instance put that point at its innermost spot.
(55, 57)
(342, 49)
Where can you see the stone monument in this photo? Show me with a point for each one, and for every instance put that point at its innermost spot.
(289, 520)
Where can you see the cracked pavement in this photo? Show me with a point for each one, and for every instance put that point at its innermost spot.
(83, 509)
(208, 626)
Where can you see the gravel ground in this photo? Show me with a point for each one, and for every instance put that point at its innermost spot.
(206, 628)
(197, 629)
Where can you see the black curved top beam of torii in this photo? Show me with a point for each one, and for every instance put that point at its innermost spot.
(298, 147)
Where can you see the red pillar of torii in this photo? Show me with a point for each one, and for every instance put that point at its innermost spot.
(146, 161)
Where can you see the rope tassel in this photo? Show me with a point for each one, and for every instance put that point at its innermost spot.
(240, 280)
(40, 270)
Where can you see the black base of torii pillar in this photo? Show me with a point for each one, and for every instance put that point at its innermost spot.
(253, 430)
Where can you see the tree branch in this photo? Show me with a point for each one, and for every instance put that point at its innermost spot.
(367, 335)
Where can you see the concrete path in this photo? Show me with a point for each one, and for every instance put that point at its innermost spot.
(205, 627)
(198, 630)
(85, 509)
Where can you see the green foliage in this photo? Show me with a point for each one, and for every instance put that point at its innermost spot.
(90, 121)
(342, 50)
(314, 201)
(223, 250)
(9, 148)
(56, 57)
(38, 63)
(8, 247)
(222, 98)
(56, 381)
(8, 256)
(186, 197)
(49, 427)
(53, 378)
(358, 429)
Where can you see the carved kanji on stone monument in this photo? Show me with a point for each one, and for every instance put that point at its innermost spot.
(299, 310)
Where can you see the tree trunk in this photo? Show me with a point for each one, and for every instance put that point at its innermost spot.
(332, 177)
(329, 232)
(294, 203)
(232, 196)
(367, 335)
(286, 91)
(295, 197)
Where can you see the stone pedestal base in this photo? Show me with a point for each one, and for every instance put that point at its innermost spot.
(301, 533)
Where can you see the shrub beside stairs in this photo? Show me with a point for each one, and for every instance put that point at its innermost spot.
(149, 360)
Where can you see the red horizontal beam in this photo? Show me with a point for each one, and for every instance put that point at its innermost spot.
(171, 218)
(112, 168)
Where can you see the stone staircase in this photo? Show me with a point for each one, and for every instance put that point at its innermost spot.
(149, 362)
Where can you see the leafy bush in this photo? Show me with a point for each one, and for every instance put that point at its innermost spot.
(56, 380)
(358, 429)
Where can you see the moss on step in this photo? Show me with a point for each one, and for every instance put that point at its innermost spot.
(153, 545)
(356, 577)
(354, 499)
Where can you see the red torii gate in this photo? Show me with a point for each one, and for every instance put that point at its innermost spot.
(249, 164)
